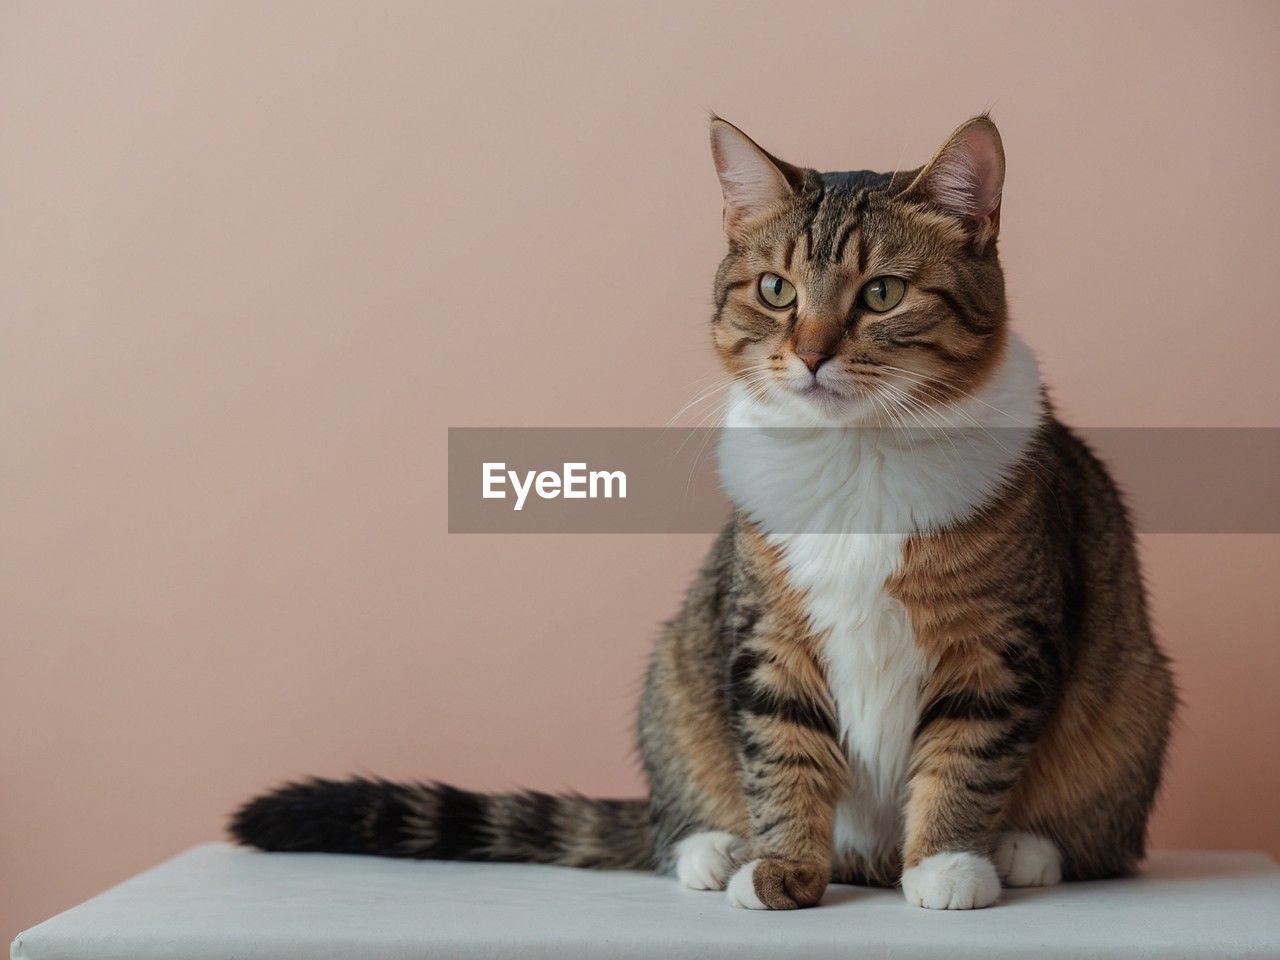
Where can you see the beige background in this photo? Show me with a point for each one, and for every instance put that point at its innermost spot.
(255, 258)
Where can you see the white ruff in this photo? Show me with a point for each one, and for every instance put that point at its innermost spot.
(816, 492)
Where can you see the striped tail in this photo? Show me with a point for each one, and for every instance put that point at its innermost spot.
(434, 821)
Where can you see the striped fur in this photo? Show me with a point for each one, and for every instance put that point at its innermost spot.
(919, 653)
(438, 822)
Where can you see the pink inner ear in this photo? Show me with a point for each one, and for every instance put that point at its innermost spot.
(748, 179)
(969, 176)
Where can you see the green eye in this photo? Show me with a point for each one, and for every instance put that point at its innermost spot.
(883, 293)
(776, 292)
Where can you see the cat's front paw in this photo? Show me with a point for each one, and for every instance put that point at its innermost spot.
(705, 860)
(778, 884)
(952, 881)
(1028, 860)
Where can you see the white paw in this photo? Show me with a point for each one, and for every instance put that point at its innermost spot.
(1028, 860)
(952, 881)
(742, 888)
(705, 860)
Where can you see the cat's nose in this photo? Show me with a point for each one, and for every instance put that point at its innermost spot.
(813, 359)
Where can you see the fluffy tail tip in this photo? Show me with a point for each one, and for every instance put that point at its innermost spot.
(334, 816)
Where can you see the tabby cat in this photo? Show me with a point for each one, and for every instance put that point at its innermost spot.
(919, 654)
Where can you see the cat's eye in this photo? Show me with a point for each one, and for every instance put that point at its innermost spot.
(883, 293)
(776, 292)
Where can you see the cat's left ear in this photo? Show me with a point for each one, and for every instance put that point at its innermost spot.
(753, 181)
(965, 178)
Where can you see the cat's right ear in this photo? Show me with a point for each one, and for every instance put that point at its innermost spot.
(966, 177)
(752, 181)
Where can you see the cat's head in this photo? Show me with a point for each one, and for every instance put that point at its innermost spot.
(861, 297)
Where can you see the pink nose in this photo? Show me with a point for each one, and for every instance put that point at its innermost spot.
(813, 359)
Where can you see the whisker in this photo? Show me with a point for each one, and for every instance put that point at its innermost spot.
(1035, 466)
(724, 381)
(949, 385)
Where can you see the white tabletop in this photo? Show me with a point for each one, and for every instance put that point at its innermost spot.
(217, 901)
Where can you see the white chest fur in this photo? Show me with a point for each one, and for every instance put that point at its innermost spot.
(840, 502)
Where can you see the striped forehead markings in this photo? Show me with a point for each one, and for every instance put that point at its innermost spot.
(828, 229)
(809, 251)
(852, 224)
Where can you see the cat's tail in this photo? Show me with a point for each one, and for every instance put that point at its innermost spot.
(434, 821)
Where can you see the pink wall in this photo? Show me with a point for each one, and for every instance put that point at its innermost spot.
(254, 259)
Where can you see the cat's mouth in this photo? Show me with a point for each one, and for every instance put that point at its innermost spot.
(835, 401)
(821, 393)
(827, 398)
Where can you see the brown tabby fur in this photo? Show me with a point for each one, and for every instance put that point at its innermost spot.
(1050, 704)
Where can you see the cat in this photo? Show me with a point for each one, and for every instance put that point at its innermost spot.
(919, 653)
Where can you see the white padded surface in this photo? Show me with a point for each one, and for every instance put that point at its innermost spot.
(216, 901)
